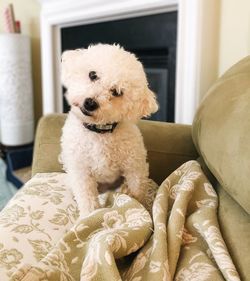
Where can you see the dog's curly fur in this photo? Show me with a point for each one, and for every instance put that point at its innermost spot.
(91, 158)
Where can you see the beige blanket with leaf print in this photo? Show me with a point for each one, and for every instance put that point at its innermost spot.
(181, 241)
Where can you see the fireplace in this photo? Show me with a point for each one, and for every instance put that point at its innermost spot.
(196, 49)
(152, 38)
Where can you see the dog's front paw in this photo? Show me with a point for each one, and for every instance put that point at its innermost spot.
(88, 208)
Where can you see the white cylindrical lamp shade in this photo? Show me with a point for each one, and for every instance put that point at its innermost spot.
(16, 90)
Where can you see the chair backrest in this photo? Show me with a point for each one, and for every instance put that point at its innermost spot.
(168, 146)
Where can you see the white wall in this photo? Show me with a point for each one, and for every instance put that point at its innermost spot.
(209, 49)
(234, 32)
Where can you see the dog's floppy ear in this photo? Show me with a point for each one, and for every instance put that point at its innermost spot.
(68, 59)
(149, 104)
(67, 55)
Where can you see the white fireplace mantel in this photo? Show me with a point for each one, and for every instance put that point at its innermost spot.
(192, 56)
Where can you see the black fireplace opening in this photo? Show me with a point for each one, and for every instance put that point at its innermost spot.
(151, 38)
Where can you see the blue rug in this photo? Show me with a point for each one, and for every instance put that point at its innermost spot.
(7, 190)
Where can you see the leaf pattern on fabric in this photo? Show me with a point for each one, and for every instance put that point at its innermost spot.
(12, 214)
(210, 203)
(137, 217)
(49, 189)
(121, 200)
(209, 189)
(112, 220)
(138, 265)
(41, 248)
(37, 215)
(121, 241)
(60, 219)
(196, 272)
(219, 251)
(155, 266)
(116, 240)
(187, 238)
(91, 262)
(23, 228)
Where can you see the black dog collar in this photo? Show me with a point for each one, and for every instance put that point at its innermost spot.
(101, 129)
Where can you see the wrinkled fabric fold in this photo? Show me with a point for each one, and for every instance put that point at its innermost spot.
(180, 240)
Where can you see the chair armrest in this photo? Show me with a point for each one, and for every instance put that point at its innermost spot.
(47, 144)
(169, 145)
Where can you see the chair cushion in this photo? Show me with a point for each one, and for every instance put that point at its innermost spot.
(221, 131)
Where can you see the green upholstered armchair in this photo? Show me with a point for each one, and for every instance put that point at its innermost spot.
(221, 135)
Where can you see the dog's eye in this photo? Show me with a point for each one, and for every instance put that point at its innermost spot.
(93, 76)
(115, 93)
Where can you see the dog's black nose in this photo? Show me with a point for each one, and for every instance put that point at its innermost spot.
(90, 104)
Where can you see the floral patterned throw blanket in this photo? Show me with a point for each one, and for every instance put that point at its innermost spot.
(42, 238)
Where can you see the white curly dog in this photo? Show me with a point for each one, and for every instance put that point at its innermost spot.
(108, 92)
